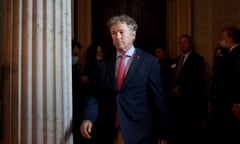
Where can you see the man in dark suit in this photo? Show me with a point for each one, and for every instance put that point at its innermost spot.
(188, 105)
(231, 84)
(134, 113)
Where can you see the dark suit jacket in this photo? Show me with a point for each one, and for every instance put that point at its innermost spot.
(141, 102)
(190, 108)
(231, 83)
(232, 75)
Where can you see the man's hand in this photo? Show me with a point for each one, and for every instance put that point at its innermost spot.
(86, 128)
(162, 142)
(175, 91)
(84, 79)
(236, 111)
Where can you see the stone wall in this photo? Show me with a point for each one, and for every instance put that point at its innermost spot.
(209, 18)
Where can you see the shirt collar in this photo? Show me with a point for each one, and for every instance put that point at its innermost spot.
(129, 53)
(233, 47)
(187, 54)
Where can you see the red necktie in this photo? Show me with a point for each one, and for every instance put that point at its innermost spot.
(179, 66)
(120, 79)
(121, 72)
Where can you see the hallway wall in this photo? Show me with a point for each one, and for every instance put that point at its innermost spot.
(209, 18)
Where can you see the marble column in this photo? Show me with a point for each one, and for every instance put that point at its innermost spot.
(36, 73)
(178, 21)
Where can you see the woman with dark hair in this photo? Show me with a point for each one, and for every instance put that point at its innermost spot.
(94, 53)
(219, 54)
(214, 123)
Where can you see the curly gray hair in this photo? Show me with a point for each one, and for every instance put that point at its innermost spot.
(131, 23)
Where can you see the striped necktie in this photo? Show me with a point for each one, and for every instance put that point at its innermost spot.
(179, 66)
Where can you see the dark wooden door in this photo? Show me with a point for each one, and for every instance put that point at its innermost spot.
(149, 15)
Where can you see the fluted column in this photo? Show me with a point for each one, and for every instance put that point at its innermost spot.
(36, 71)
(179, 21)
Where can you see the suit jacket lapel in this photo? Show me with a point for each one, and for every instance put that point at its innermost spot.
(188, 60)
(137, 59)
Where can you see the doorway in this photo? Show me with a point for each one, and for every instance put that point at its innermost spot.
(149, 15)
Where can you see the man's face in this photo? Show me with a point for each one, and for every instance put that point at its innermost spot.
(160, 53)
(226, 39)
(99, 54)
(122, 37)
(185, 45)
(219, 52)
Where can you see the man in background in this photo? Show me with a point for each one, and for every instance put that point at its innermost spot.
(188, 103)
